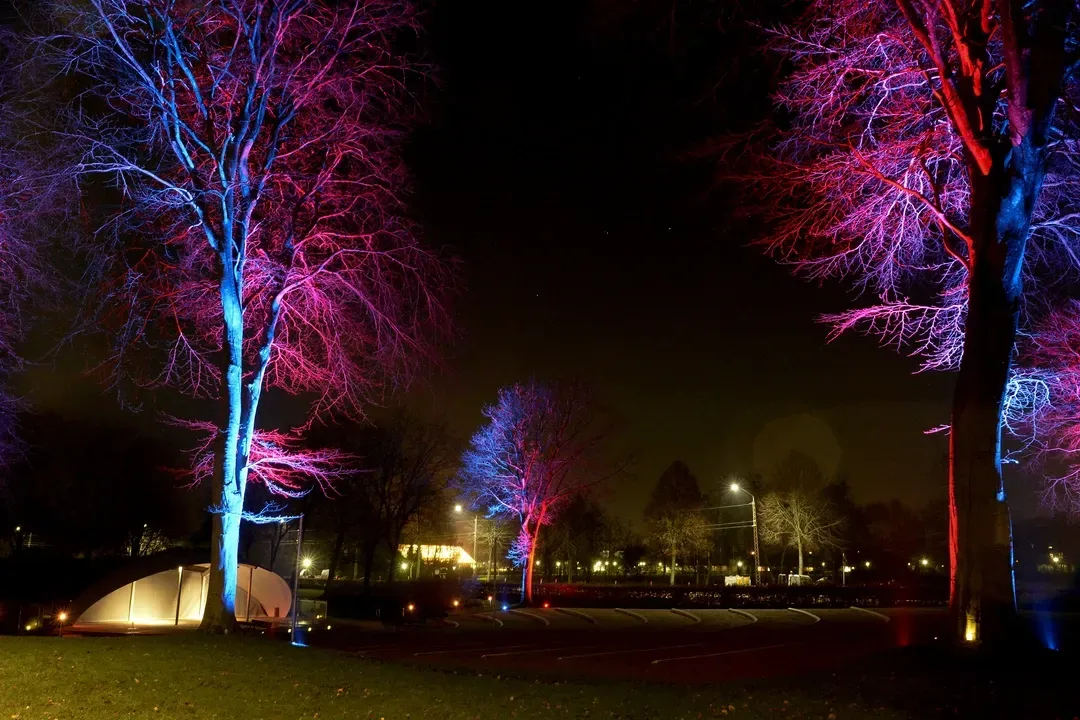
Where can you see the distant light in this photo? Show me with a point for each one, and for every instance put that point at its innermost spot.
(558, 563)
(1055, 559)
(456, 603)
(62, 617)
(306, 562)
(490, 598)
(458, 508)
(867, 563)
(18, 528)
(924, 562)
(411, 607)
(739, 564)
(29, 628)
(970, 628)
(734, 487)
(547, 604)
(328, 627)
(505, 607)
(404, 566)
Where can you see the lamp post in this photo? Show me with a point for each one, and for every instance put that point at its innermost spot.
(753, 511)
(475, 532)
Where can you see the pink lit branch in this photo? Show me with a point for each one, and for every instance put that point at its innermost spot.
(280, 461)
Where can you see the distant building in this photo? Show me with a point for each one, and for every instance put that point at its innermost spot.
(449, 554)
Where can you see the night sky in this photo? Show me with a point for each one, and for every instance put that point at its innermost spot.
(554, 163)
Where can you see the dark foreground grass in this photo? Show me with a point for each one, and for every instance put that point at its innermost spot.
(197, 677)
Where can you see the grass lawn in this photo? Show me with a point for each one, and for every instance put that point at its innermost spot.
(198, 677)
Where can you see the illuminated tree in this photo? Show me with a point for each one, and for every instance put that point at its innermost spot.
(536, 452)
(260, 239)
(673, 514)
(930, 158)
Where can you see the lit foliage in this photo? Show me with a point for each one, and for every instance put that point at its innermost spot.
(533, 455)
(1051, 421)
(894, 104)
(28, 200)
(256, 146)
(279, 460)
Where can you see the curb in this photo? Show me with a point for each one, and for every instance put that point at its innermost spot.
(525, 613)
(872, 612)
(577, 614)
(686, 614)
(817, 618)
(753, 618)
(644, 620)
(490, 618)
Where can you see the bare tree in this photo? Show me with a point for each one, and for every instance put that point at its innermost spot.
(683, 534)
(930, 157)
(261, 241)
(797, 519)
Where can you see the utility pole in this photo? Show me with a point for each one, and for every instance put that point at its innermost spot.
(296, 579)
(757, 547)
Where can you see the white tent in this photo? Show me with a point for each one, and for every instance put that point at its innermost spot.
(179, 596)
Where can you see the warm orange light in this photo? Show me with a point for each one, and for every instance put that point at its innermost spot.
(411, 607)
(62, 617)
(547, 605)
(456, 603)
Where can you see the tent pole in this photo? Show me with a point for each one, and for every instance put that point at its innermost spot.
(251, 579)
(179, 591)
(296, 578)
(131, 604)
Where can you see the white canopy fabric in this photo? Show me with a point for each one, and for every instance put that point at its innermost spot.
(179, 595)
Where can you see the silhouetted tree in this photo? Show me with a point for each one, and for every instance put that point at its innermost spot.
(673, 514)
(577, 534)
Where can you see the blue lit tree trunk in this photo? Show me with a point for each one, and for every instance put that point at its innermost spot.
(228, 486)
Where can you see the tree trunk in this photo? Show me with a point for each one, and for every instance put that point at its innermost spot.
(982, 597)
(227, 487)
(673, 562)
(799, 544)
(335, 559)
(527, 580)
(369, 564)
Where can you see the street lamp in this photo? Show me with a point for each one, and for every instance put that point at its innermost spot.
(475, 532)
(753, 512)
